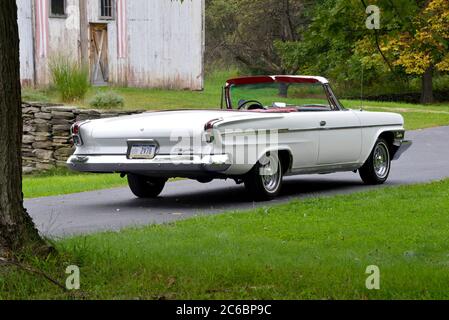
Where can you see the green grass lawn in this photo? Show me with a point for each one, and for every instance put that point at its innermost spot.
(308, 249)
(416, 116)
(62, 181)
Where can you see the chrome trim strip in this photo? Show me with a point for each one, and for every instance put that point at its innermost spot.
(306, 130)
(324, 169)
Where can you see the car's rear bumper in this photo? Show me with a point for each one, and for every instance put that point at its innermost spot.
(169, 165)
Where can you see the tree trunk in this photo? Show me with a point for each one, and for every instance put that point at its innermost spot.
(427, 87)
(283, 89)
(17, 231)
(288, 31)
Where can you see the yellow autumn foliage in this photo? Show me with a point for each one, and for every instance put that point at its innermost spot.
(427, 47)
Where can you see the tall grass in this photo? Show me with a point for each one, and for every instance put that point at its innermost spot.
(70, 78)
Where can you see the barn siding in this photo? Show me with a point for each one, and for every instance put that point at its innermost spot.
(63, 40)
(65, 33)
(25, 21)
(165, 42)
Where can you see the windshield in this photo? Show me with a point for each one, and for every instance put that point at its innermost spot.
(281, 94)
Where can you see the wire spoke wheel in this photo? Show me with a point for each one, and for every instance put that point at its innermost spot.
(377, 167)
(264, 181)
(270, 173)
(381, 160)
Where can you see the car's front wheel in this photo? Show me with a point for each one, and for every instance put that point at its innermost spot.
(264, 181)
(145, 187)
(377, 168)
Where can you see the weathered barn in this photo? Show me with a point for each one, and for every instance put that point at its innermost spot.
(137, 43)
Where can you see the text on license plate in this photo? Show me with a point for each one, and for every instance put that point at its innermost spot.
(142, 152)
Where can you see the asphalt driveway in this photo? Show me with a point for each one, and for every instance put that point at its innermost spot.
(427, 160)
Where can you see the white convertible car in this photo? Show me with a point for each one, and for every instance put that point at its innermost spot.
(268, 127)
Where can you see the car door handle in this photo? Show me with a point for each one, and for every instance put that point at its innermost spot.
(323, 123)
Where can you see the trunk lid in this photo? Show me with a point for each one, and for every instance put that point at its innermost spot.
(169, 128)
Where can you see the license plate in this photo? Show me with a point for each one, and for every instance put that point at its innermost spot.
(142, 151)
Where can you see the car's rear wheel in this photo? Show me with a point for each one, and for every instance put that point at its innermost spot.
(146, 187)
(264, 181)
(377, 168)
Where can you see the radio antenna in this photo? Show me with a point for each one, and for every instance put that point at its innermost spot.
(361, 90)
(222, 97)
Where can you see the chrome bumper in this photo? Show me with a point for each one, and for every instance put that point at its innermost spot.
(161, 164)
(405, 145)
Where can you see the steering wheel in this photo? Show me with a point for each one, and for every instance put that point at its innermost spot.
(255, 105)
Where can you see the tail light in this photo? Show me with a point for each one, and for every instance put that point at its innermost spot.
(76, 136)
(76, 128)
(209, 128)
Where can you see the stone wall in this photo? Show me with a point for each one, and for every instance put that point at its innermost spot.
(46, 133)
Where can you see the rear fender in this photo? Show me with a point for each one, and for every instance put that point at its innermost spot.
(285, 156)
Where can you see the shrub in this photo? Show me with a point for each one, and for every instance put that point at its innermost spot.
(70, 78)
(441, 83)
(107, 100)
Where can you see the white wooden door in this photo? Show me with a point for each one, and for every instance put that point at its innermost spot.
(99, 65)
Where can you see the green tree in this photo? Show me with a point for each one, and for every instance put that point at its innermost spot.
(246, 31)
(327, 46)
(423, 46)
(412, 41)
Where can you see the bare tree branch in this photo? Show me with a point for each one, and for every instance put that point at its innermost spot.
(28, 269)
